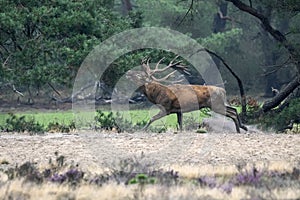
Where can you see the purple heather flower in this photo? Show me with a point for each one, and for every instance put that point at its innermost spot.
(74, 174)
(226, 187)
(249, 177)
(208, 181)
(58, 178)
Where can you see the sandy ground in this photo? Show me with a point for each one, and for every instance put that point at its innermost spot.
(95, 151)
(190, 154)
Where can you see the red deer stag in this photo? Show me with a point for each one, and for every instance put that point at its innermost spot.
(180, 98)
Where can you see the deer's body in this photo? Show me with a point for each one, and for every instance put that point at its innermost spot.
(180, 98)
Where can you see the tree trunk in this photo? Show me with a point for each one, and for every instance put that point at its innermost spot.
(272, 55)
(219, 23)
(126, 7)
(271, 79)
(277, 35)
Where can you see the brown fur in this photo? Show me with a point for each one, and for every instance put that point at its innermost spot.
(179, 98)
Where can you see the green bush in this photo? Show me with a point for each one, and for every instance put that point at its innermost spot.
(109, 121)
(105, 121)
(22, 124)
(57, 127)
(285, 119)
(141, 179)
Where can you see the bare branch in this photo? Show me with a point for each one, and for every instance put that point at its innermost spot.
(53, 88)
(274, 90)
(16, 91)
(6, 61)
(74, 95)
(221, 15)
(278, 67)
(281, 38)
(250, 3)
(277, 35)
(187, 12)
(224, 17)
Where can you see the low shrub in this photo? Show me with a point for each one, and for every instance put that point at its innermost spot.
(22, 124)
(109, 121)
(30, 173)
(57, 127)
(288, 118)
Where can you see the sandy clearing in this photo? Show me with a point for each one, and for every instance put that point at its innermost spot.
(95, 151)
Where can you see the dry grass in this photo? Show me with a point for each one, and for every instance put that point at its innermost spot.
(194, 171)
(188, 189)
(18, 190)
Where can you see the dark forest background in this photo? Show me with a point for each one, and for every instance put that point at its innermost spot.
(43, 43)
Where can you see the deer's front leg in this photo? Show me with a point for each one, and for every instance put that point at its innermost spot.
(161, 114)
(179, 120)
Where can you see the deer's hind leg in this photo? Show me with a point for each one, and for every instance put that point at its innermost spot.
(234, 118)
(233, 111)
(228, 112)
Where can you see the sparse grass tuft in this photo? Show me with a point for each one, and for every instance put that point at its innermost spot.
(139, 179)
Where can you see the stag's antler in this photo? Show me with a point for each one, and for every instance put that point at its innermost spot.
(175, 65)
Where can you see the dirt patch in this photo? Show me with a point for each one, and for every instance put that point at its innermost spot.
(100, 149)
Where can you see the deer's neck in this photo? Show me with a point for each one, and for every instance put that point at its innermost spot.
(154, 91)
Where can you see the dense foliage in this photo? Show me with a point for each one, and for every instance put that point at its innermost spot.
(288, 118)
(43, 43)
